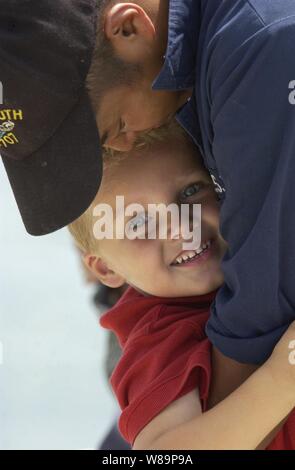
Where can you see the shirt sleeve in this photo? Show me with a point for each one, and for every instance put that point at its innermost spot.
(157, 369)
(253, 120)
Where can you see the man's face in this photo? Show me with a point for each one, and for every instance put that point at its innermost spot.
(127, 111)
(170, 173)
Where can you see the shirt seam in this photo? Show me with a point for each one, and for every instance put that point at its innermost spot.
(199, 329)
(256, 12)
(146, 333)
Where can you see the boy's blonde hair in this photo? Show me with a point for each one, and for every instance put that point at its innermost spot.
(82, 228)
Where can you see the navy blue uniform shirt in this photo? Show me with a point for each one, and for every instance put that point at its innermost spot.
(239, 56)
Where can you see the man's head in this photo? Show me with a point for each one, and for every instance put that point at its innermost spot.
(49, 142)
(131, 43)
(168, 171)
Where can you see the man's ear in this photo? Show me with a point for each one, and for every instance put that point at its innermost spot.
(101, 271)
(130, 30)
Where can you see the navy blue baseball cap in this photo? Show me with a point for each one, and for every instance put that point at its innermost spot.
(49, 140)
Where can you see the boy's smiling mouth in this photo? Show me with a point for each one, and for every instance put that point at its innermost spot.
(188, 257)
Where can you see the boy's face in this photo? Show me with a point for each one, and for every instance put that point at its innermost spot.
(168, 173)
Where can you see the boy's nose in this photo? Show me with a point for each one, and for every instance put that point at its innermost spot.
(174, 231)
(186, 229)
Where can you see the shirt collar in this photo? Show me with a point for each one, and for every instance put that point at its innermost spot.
(178, 71)
(134, 310)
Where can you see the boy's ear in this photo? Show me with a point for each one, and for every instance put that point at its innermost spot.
(130, 30)
(101, 271)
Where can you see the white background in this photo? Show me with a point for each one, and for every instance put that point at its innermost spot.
(53, 390)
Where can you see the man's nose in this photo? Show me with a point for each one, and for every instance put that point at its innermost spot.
(123, 142)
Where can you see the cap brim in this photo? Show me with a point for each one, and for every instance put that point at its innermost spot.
(57, 183)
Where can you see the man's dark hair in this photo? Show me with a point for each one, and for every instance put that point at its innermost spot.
(107, 70)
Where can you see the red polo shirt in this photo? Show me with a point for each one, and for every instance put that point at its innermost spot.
(165, 356)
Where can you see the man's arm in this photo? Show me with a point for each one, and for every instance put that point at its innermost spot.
(240, 421)
(253, 120)
(227, 376)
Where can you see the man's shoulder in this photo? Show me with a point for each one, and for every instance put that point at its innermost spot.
(271, 12)
(240, 29)
(251, 15)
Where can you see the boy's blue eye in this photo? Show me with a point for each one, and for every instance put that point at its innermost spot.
(190, 190)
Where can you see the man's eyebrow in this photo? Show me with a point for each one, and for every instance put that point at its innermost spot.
(104, 138)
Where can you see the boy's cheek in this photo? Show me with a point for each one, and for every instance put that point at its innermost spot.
(211, 213)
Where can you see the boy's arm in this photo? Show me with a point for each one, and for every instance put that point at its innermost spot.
(240, 421)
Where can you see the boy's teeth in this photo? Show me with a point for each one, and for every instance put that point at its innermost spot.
(192, 254)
